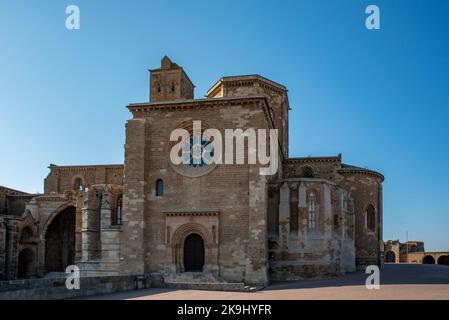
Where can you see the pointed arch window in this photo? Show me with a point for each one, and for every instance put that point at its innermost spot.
(311, 210)
(159, 188)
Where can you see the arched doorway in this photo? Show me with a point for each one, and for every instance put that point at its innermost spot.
(60, 241)
(25, 264)
(428, 260)
(390, 257)
(194, 253)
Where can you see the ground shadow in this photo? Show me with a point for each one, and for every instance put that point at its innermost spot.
(390, 274)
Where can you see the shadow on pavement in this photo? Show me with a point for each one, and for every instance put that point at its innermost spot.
(390, 274)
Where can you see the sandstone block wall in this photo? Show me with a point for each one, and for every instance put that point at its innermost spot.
(365, 190)
(237, 191)
(2, 247)
(62, 178)
(132, 237)
(298, 251)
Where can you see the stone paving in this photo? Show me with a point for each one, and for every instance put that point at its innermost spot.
(397, 281)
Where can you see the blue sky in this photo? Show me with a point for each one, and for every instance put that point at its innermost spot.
(379, 97)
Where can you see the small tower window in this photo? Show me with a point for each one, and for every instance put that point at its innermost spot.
(159, 188)
(173, 87)
(78, 185)
(157, 87)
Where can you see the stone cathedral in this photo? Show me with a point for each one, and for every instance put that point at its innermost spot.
(316, 217)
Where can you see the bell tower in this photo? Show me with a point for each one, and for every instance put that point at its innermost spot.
(170, 83)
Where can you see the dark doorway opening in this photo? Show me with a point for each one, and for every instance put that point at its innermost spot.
(60, 241)
(194, 253)
(428, 260)
(443, 260)
(26, 264)
(390, 257)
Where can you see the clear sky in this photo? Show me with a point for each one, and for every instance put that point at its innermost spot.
(380, 97)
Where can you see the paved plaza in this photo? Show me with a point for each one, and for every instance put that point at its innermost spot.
(397, 281)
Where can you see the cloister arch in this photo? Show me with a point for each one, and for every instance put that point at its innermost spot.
(59, 235)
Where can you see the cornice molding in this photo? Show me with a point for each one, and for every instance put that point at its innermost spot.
(192, 213)
(188, 104)
(257, 100)
(362, 171)
(87, 167)
(315, 159)
(247, 80)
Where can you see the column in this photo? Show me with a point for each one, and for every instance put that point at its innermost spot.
(284, 216)
(132, 236)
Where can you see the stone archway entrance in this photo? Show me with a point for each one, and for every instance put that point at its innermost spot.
(428, 260)
(25, 264)
(194, 253)
(443, 260)
(192, 241)
(390, 257)
(60, 241)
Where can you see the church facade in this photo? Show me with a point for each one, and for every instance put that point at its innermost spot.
(315, 217)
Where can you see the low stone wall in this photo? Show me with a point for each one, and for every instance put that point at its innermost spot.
(291, 271)
(55, 288)
(237, 287)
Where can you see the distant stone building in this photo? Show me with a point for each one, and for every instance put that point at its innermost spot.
(315, 217)
(412, 252)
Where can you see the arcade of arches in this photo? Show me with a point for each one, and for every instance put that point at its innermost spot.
(412, 252)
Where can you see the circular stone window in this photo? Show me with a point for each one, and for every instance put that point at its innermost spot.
(196, 153)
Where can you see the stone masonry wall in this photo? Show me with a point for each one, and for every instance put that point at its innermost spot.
(297, 251)
(62, 178)
(2, 247)
(135, 191)
(365, 189)
(237, 191)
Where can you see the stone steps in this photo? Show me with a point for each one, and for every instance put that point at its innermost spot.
(210, 286)
(201, 281)
(192, 277)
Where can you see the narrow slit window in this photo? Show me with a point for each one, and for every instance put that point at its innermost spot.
(159, 188)
(119, 211)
